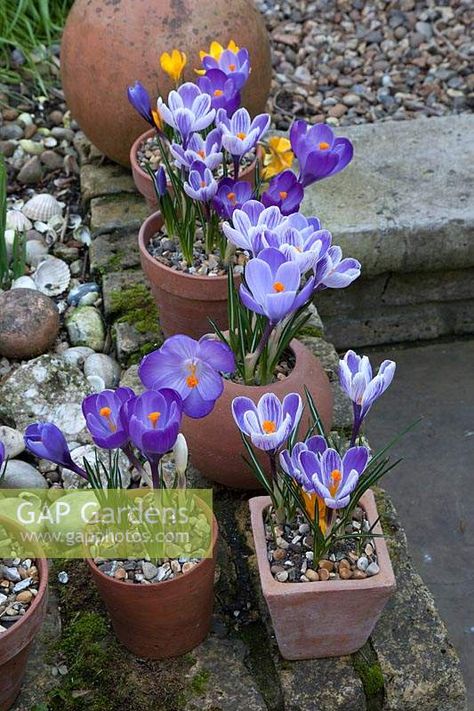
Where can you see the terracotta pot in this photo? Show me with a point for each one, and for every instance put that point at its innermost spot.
(169, 618)
(15, 644)
(144, 183)
(215, 445)
(185, 302)
(125, 40)
(327, 618)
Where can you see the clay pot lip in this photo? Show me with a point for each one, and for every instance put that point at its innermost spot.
(384, 580)
(164, 584)
(42, 565)
(143, 240)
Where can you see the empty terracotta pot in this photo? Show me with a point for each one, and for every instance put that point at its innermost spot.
(144, 183)
(106, 46)
(185, 302)
(325, 618)
(214, 442)
(169, 618)
(15, 644)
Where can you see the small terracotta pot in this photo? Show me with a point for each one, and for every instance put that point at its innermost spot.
(327, 618)
(144, 183)
(169, 618)
(15, 645)
(185, 302)
(215, 445)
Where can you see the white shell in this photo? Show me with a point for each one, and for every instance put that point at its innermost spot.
(42, 207)
(24, 282)
(35, 252)
(16, 220)
(52, 276)
(83, 234)
(74, 221)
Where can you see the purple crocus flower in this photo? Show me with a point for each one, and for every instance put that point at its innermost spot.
(239, 133)
(334, 272)
(270, 422)
(46, 441)
(103, 417)
(222, 89)
(201, 184)
(161, 181)
(363, 388)
(285, 192)
(154, 419)
(319, 152)
(190, 367)
(208, 150)
(139, 98)
(230, 196)
(250, 223)
(300, 247)
(188, 110)
(272, 286)
(233, 64)
(2, 456)
(291, 465)
(333, 478)
(305, 225)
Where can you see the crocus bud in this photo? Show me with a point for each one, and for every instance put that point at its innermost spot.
(180, 452)
(160, 181)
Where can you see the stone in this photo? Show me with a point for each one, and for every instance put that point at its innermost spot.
(21, 475)
(282, 576)
(12, 441)
(29, 323)
(312, 575)
(114, 250)
(105, 179)
(52, 160)
(11, 131)
(7, 148)
(337, 111)
(149, 570)
(362, 563)
(372, 569)
(77, 355)
(31, 171)
(46, 389)
(117, 212)
(103, 366)
(323, 574)
(130, 379)
(71, 480)
(86, 328)
(35, 252)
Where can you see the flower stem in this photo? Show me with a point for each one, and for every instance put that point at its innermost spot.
(252, 361)
(236, 160)
(156, 472)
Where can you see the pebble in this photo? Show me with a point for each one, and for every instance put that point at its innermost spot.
(373, 569)
(150, 571)
(86, 328)
(362, 563)
(359, 574)
(22, 585)
(52, 160)
(63, 577)
(323, 574)
(104, 367)
(21, 475)
(12, 440)
(35, 252)
(29, 323)
(11, 131)
(312, 575)
(78, 292)
(31, 171)
(77, 355)
(282, 576)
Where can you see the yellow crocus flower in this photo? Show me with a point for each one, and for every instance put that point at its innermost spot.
(279, 157)
(173, 64)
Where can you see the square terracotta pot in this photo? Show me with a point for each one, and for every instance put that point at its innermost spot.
(324, 618)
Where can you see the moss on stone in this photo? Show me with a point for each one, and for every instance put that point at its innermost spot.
(368, 668)
(135, 305)
(200, 681)
(311, 331)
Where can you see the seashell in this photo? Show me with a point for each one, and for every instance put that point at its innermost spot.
(81, 290)
(16, 220)
(52, 276)
(50, 142)
(74, 221)
(50, 237)
(42, 207)
(24, 282)
(56, 222)
(83, 234)
(35, 252)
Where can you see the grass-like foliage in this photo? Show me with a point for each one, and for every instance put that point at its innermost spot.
(3, 214)
(29, 26)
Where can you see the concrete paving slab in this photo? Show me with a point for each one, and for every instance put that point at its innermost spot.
(433, 487)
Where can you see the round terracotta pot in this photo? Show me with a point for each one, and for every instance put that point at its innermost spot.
(169, 618)
(214, 442)
(125, 40)
(185, 301)
(144, 183)
(15, 644)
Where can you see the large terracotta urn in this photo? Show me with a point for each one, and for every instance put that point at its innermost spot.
(108, 44)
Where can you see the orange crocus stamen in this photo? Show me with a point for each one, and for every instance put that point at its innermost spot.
(323, 146)
(232, 67)
(336, 477)
(278, 287)
(107, 412)
(283, 194)
(231, 197)
(154, 417)
(202, 153)
(241, 135)
(218, 92)
(192, 380)
(269, 426)
(203, 183)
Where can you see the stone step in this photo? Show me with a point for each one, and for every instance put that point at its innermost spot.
(402, 208)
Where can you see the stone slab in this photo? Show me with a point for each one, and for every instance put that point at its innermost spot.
(403, 203)
(116, 282)
(114, 250)
(124, 211)
(105, 179)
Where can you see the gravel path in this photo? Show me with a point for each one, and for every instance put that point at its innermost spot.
(349, 61)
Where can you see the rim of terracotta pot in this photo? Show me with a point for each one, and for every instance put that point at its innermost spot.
(385, 578)
(42, 565)
(153, 587)
(147, 134)
(143, 241)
